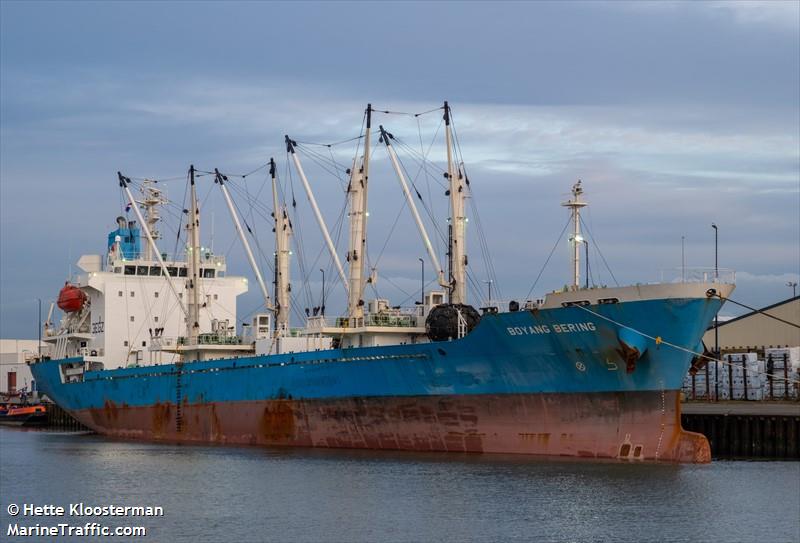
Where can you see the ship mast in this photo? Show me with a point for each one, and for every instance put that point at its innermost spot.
(193, 264)
(283, 231)
(357, 192)
(576, 239)
(219, 178)
(151, 199)
(290, 144)
(457, 249)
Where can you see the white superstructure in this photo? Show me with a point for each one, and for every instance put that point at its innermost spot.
(130, 313)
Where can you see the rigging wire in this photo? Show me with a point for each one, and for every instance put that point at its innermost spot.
(553, 250)
(483, 242)
(332, 167)
(330, 144)
(391, 231)
(770, 315)
(661, 341)
(425, 206)
(389, 112)
(242, 175)
(298, 237)
(603, 258)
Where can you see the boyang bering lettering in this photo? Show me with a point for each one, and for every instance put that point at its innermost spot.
(546, 329)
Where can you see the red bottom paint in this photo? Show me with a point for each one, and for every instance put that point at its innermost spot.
(629, 426)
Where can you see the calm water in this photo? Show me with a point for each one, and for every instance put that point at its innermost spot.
(241, 494)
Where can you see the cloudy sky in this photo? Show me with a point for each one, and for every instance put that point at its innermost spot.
(674, 114)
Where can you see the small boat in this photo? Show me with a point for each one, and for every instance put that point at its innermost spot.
(23, 415)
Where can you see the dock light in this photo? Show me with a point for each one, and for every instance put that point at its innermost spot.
(367, 213)
(578, 239)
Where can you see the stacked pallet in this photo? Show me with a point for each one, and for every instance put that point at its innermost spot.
(743, 376)
(782, 363)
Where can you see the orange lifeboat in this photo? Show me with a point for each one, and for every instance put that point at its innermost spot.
(71, 298)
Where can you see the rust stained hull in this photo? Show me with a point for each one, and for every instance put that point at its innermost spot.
(623, 425)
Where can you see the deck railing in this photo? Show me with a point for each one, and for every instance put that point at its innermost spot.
(697, 275)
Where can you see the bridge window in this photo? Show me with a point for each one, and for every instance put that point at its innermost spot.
(208, 273)
(173, 271)
(155, 270)
(120, 293)
(141, 270)
(182, 272)
(130, 270)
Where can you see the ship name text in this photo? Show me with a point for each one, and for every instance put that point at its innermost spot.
(559, 328)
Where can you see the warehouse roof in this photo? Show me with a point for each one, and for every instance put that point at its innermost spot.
(751, 313)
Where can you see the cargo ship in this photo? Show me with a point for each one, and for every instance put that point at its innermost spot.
(148, 347)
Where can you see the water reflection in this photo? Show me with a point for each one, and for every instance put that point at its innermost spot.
(258, 494)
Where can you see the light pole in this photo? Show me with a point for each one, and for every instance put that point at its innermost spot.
(39, 328)
(793, 286)
(489, 282)
(683, 259)
(716, 315)
(586, 243)
(322, 309)
(716, 250)
(422, 287)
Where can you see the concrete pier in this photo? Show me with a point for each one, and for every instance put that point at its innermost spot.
(766, 430)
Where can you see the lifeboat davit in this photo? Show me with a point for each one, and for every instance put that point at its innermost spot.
(71, 298)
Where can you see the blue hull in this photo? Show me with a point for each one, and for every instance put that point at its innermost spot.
(564, 353)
